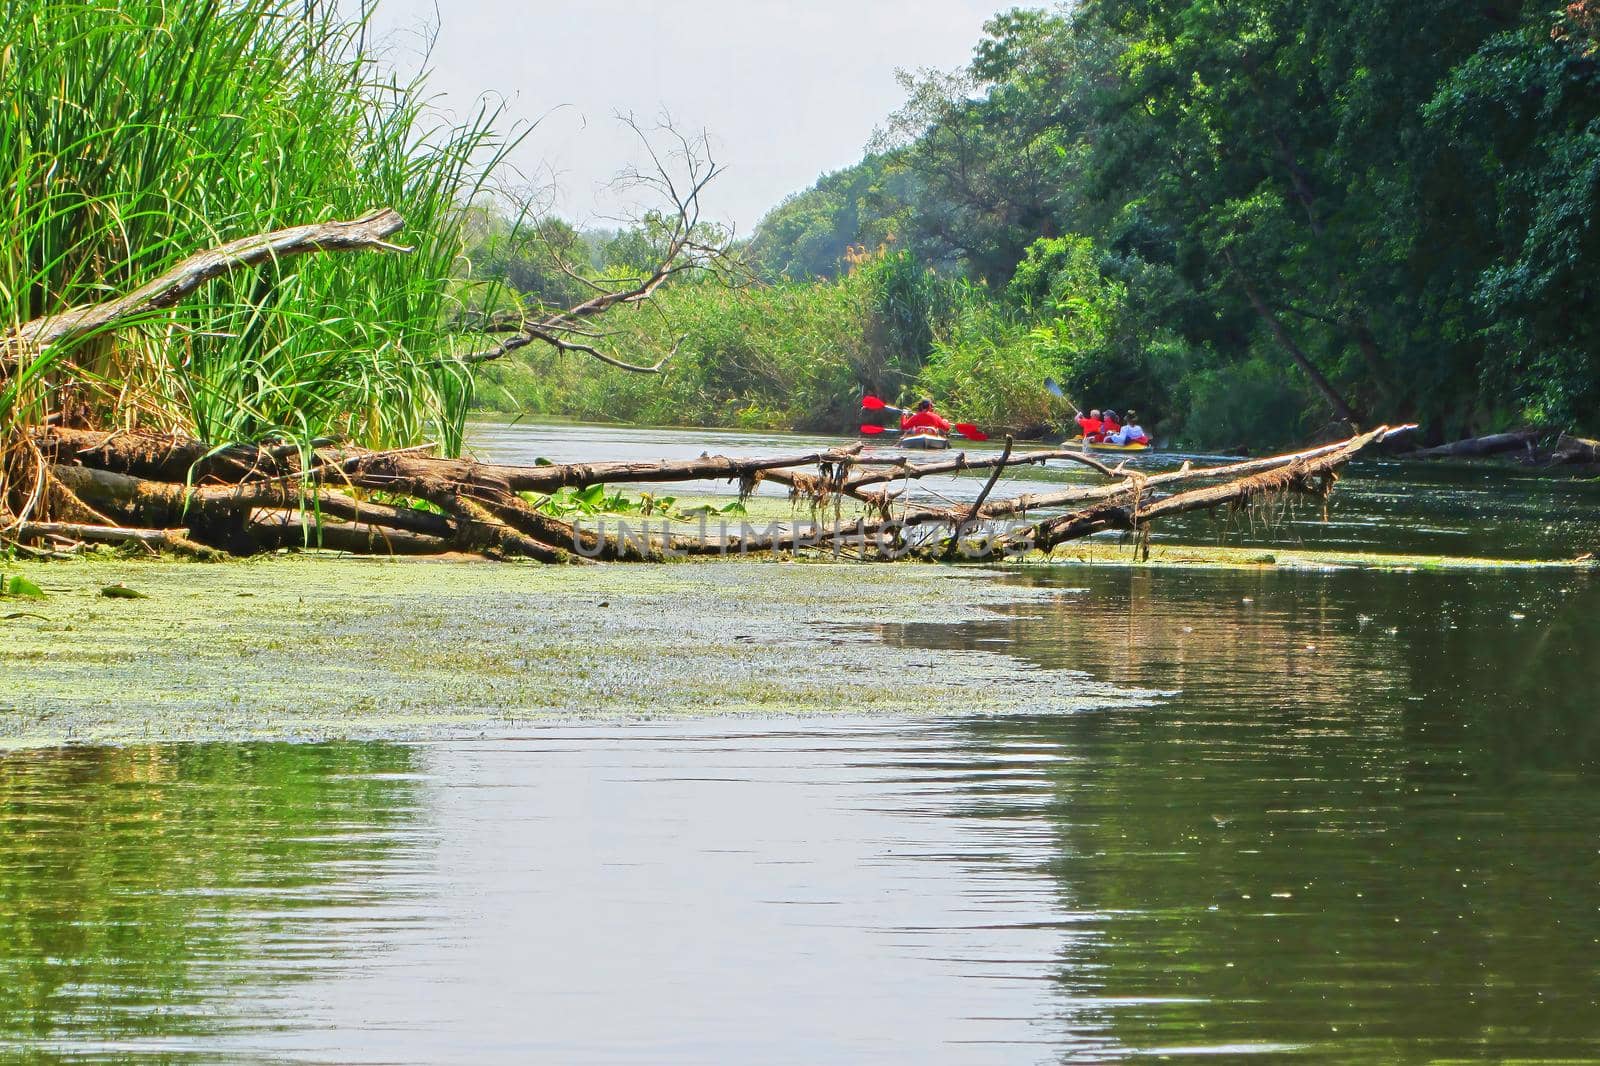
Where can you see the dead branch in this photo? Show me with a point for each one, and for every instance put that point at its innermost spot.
(369, 232)
(1312, 475)
(174, 540)
(687, 245)
(977, 505)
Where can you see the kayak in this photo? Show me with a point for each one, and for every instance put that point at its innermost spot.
(1077, 442)
(929, 441)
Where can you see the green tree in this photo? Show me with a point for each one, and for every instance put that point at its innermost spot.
(1515, 133)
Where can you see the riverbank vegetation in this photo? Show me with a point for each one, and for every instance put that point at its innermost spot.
(1208, 215)
(1249, 220)
(176, 179)
(141, 132)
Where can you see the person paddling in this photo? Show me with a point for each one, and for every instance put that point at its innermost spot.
(1130, 433)
(1090, 426)
(924, 420)
(1110, 425)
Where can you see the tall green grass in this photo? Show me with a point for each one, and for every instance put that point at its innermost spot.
(134, 132)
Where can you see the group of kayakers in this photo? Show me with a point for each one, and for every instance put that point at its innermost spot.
(1096, 427)
(1104, 427)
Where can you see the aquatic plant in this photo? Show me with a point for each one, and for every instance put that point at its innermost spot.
(593, 500)
(19, 586)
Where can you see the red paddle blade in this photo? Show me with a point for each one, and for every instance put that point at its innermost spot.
(970, 431)
(873, 431)
(872, 403)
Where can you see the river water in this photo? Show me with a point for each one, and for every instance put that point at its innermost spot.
(1359, 822)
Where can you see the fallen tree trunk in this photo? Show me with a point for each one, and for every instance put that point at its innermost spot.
(280, 496)
(547, 479)
(154, 456)
(298, 529)
(1477, 447)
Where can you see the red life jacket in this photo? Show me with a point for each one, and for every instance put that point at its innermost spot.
(1091, 428)
(923, 420)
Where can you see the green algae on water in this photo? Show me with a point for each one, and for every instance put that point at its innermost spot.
(317, 647)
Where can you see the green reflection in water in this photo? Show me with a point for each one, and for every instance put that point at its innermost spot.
(1365, 824)
(143, 888)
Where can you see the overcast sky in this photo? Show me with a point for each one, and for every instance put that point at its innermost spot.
(787, 89)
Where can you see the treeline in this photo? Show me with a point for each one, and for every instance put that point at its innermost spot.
(1249, 219)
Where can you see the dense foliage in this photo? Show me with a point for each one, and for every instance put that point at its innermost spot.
(792, 354)
(1280, 213)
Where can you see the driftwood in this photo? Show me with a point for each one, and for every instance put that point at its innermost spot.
(405, 502)
(1477, 447)
(1533, 447)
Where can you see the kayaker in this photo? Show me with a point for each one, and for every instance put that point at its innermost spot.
(1109, 425)
(925, 419)
(1130, 433)
(1090, 426)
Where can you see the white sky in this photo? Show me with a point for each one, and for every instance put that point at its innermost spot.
(786, 90)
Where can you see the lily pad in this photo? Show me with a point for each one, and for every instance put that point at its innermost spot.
(120, 591)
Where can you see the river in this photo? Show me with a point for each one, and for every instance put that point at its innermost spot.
(1339, 814)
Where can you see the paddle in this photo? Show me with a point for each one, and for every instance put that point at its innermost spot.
(1056, 391)
(873, 431)
(966, 429)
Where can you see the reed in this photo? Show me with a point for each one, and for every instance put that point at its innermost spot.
(134, 132)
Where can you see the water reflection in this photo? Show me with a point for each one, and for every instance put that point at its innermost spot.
(1420, 508)
(1361, 826)
(1365, 827)
(144, 890)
